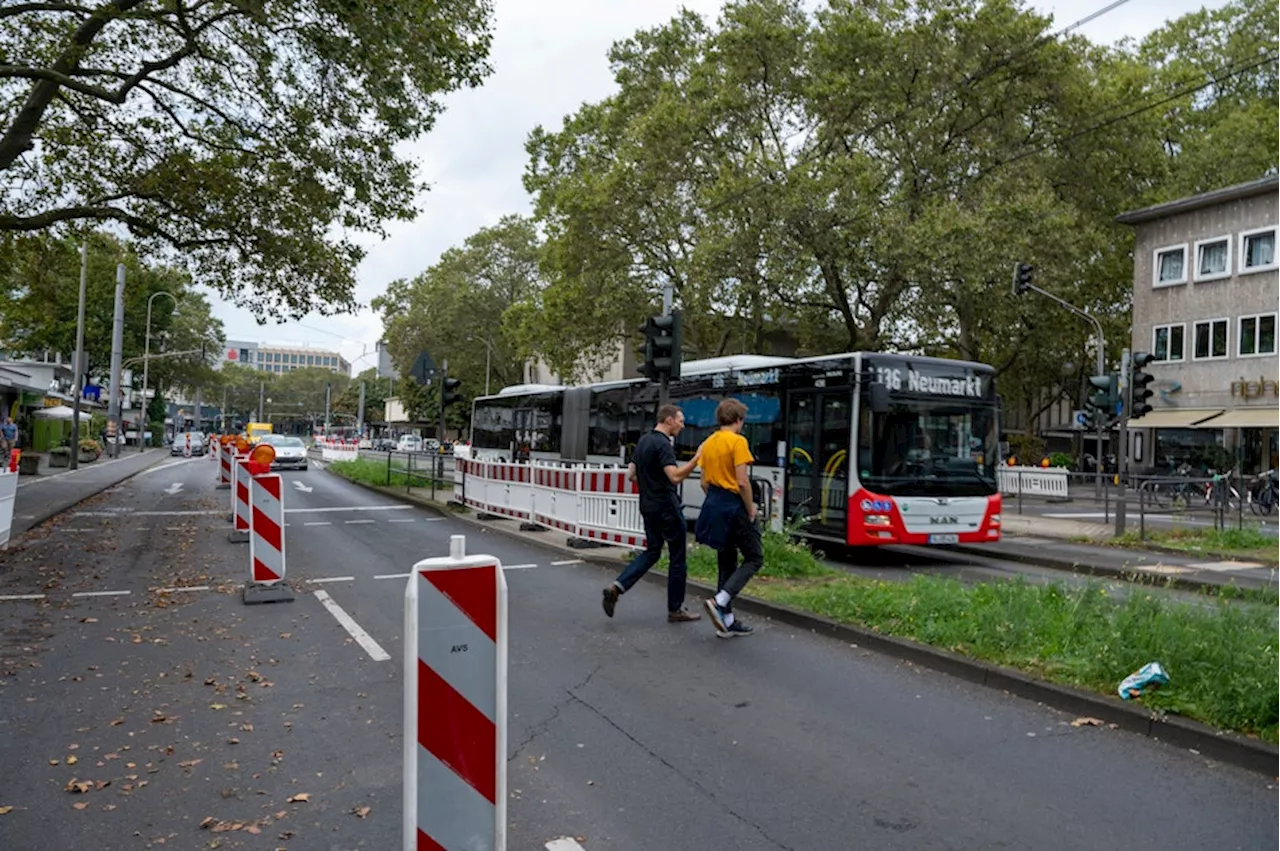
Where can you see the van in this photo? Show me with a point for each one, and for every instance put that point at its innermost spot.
(409, 443)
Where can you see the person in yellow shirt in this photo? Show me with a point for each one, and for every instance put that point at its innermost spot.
(726, 522)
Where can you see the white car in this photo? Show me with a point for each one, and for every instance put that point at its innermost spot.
(290, 451)
(409, 443)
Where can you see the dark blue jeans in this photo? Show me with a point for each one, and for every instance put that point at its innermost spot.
(663, 526)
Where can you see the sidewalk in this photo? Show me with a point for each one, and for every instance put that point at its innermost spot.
(55, 490)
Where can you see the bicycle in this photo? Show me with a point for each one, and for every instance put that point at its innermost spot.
(1263, 492)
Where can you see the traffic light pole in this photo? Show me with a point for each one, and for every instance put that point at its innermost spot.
(1101, 367)
(1122, 452)
(444, 381)
(664, 385)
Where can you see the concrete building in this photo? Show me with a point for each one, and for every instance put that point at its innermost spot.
(1205, 295)
(279, 359)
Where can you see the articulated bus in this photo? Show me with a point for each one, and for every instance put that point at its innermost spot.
(922, 431)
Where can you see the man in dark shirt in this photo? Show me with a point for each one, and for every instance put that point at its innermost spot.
(654, 467)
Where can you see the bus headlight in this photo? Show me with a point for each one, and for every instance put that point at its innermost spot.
(995, 519)
(876, 520)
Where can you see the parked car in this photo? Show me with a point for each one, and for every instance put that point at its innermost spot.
(365, 443)
(431, 445)
(291, 452)
(180, 441)
(409, 443)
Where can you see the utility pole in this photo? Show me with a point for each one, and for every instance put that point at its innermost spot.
(328, 391)
(117, 347)
(1122, 453)
(224, 410)
(1022, 283)
(360, 412)
(664, 386)
(262, 396)
(78, 362)
(199, 412)
(444, 385)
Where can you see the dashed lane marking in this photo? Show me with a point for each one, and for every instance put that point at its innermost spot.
(351, 522)
(7, 597)
(566, 561)
(564, 843)
(354, 629)
(519, 566)
(178, 588)
(318, 523)
(333, 579)
(101, 593)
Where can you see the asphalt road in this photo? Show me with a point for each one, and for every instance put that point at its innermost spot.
(182, 708)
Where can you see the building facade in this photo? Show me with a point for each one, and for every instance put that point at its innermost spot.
(1206, 287)
(386, 369)
(280, 359)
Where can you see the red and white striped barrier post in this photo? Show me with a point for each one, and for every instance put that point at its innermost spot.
(241, 515)
(266, 533)
(455, 703)
(224, 465)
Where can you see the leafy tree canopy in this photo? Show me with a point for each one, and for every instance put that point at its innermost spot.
(251, 138)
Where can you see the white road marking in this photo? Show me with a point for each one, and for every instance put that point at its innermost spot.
(96, 466)
(349, 522)
(402, 520)
(519, 566)
(353, 508)
(318, 523)
(168, 466)
(21, 597)
(353, 629)
(173, 488)
(393, 576)
(333, 579)
(434, 519)
(101, 593)
(566, 561)
(182, 588)
(564, 843)
(301, 487)
(1219, 566)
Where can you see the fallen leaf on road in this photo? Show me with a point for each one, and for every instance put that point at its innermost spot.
(362, 812)
(233, 741)
(117, 722)
(4, 811)
(217, 706)
(54, 762)
(190, 763)
(88, 620)
(300, 798)
(72, 760)
(248, 728)
(286, 634)
(80, 805)
(77, 786)
(1086, 721)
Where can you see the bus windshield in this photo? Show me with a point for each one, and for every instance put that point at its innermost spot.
(929, 448)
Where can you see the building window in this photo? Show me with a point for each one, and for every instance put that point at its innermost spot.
(1167, 342)
(1211, 339)
(1213, 258)
(1258, 250)
(1170, 265)
(1257, 335)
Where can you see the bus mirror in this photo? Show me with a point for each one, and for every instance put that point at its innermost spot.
(879, 398)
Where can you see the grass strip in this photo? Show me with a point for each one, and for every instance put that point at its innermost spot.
(1222, 657)
(374, 473)
(1236, 543)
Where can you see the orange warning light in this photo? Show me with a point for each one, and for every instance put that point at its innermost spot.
(242, 446)
(263, 453)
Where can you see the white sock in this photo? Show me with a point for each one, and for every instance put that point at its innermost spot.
(722, 598)
(728, 619)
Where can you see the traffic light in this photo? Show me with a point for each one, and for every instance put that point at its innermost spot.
(1101, 404)
(1139, 393)
(663, 339)
(1021, 278)
(448, 391)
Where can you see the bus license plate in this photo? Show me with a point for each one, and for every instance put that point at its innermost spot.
(944, 539)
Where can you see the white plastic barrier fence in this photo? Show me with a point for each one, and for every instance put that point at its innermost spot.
(595, 503)
(1033, 481)
(455, 703)
(338, 450)
(8, 495)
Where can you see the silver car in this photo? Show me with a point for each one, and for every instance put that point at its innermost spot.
(291, 452)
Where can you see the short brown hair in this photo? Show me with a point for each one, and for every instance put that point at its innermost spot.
(730, 411)
(666, 412)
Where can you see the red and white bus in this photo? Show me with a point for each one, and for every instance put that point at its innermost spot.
(859, 448)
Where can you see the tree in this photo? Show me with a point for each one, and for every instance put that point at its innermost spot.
(376, 391)
(39, 298)
(301, 392)
(244, 386)
(249, 138)
(457, 309)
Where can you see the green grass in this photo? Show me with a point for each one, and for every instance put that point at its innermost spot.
(1242, 543)
(1221, 656)
(375, 473)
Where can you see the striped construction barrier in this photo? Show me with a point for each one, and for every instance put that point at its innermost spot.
(455, 704)
(266, 541)
(241, 516)
(225, 456)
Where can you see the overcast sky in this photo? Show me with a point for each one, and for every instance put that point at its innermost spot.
(548, 59)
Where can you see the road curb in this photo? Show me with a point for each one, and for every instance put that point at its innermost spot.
(45, 516)
(1250, 754)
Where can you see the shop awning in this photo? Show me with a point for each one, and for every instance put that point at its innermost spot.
(1245, 418)
(1175, 418)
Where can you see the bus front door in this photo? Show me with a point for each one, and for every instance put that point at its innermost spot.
(818, 440)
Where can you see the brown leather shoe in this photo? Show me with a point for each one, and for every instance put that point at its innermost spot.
(682, 616)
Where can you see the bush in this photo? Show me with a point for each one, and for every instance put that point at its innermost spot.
(1062, 459)
(89, 446)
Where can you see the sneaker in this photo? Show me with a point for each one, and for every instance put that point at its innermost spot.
(682, 616)
(611, 595)
(737, 629)
(716, 613)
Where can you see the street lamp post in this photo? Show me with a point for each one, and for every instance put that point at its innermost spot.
(488, 359)
(146, 367)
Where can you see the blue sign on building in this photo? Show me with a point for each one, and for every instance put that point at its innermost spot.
(92, 392)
